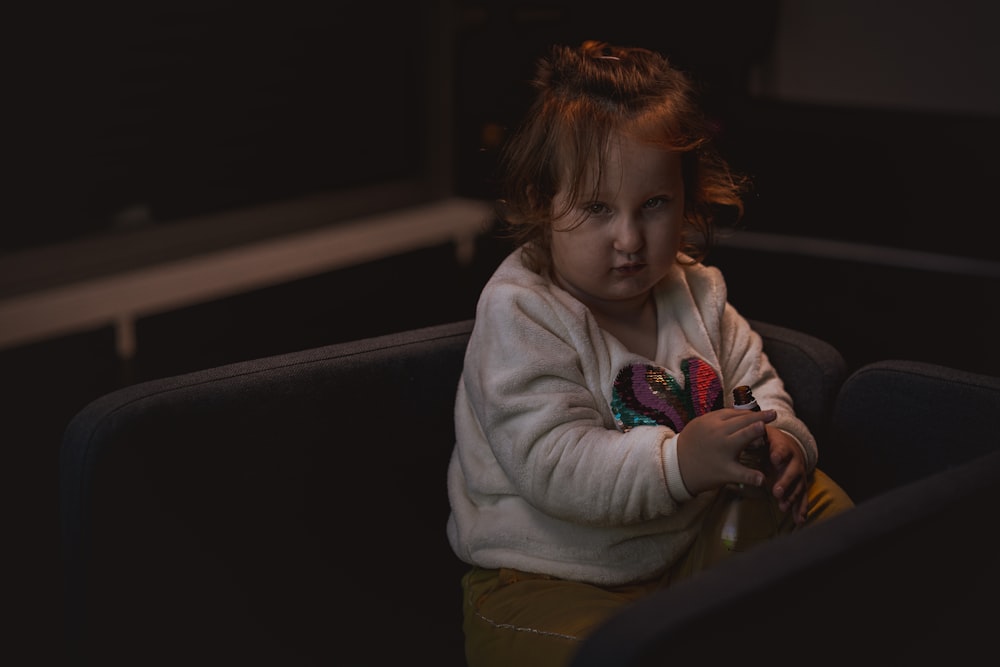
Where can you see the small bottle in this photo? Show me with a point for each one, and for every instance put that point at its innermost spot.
(750, 516)
(756, 455)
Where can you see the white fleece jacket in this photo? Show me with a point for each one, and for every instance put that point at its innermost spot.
(561, 461)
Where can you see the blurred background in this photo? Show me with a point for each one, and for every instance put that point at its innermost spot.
(142, 137)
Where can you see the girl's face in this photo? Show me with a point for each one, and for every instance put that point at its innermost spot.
(611, 250)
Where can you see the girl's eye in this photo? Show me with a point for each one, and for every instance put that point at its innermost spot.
(596, 208)
(654, 202)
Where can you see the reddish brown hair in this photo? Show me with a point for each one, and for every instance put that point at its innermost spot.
(585, 95)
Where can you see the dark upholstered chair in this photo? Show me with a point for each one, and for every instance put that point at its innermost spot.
(291, 510)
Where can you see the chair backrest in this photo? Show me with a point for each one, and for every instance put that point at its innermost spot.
(898, 421)
(277, 511)
(289, 509)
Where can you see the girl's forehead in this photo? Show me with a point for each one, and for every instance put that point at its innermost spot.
(619, 153)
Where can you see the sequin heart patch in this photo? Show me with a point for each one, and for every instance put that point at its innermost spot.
(645, 394)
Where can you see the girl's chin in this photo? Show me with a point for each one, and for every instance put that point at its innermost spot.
(638, 293)
(632, 286)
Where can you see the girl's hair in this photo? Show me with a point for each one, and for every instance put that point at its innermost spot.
(584, 96)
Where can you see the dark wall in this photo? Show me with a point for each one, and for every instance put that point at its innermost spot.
(144, 113)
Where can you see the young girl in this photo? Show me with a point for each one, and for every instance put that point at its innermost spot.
(592, 427)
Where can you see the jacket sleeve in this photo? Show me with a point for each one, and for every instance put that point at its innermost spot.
(532, 383)
(744, 362)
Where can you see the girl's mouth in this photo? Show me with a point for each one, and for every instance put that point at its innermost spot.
(629, 269)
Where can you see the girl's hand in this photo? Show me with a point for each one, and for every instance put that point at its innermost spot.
(789, 473)
(708, 447)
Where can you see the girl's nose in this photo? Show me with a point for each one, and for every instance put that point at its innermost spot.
(627, 234)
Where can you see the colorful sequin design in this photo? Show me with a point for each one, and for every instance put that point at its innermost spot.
(645, 394)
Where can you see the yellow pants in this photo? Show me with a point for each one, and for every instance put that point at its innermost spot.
(525, 619)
